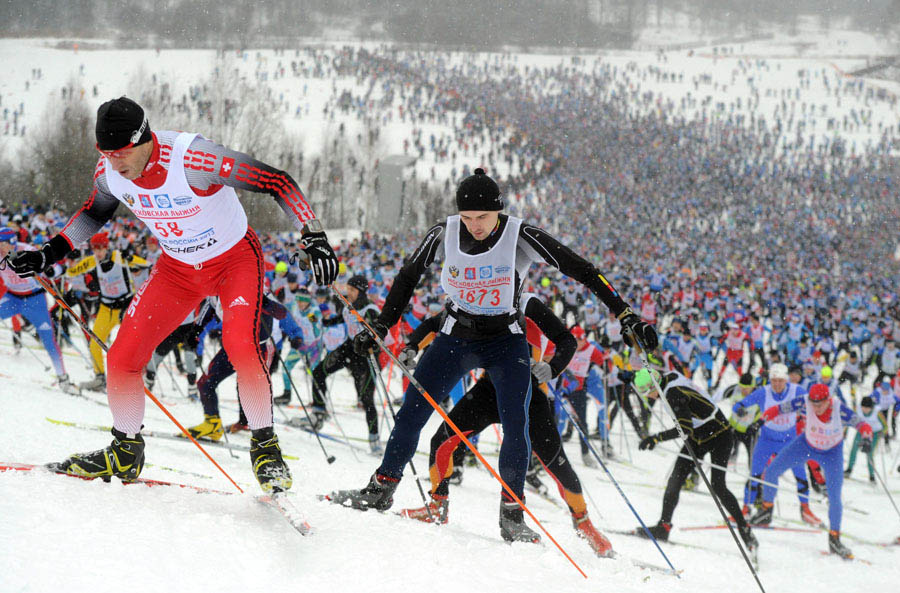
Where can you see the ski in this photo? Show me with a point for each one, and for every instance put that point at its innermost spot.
(649, 565)
(767, 527)
(639, 533)
(50, 469)
(172, 436)
(850, 559)
(288, 510)
(278, 501)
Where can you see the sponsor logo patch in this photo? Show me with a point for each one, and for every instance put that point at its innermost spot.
(182, 200)
(145, 200)
(470, 274)
(162, 200)
(486, 271)
(454, 271)
(129, 199)
(239, 302)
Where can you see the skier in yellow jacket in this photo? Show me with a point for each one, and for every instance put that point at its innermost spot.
(111, 275)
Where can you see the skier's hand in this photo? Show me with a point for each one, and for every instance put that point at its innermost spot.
(754, 428)
(649, 442)
(297, 343)
(639, 330)
(626, 376)
(541, 371)
(407, 357)
(365, 341)
(28, 263)
(322, 260)
(866, 445)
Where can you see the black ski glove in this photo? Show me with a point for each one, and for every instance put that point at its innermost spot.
(365, 341)
(322, 260)
(639, 329)
(28, 263)
(865, 445)
(649, 442)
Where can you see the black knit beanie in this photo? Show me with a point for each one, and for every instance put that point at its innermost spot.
(478, 192)
(121, 122)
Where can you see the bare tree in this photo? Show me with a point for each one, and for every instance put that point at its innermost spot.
(60, 158)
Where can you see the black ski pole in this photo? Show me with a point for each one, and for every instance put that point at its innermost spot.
(376, 376)
(328, 458)
(690, 449)
(573, 417)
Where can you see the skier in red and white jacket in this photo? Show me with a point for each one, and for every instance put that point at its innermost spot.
(182, 186)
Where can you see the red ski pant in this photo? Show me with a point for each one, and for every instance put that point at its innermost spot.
(162, 303)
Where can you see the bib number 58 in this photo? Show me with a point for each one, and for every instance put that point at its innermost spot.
(169, 228)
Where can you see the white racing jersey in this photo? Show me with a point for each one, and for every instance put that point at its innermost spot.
(824, 435)
(190, 228)
(482, 284)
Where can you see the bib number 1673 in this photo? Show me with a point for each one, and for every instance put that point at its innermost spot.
(478, 295)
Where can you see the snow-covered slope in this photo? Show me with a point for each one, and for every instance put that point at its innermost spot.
(58, 533)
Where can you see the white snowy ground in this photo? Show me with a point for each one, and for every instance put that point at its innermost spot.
(58, 533)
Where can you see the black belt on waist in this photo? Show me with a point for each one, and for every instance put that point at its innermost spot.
(483, 323)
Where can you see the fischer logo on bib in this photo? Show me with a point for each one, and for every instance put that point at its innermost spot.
(190, 228)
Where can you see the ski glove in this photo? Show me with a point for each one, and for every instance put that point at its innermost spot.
(322, 260)
(364, 341)
(865, 445)
(541, 371)
(407, 357)
(639, 329)
(28, 263)
(649, 442)
(770, 414)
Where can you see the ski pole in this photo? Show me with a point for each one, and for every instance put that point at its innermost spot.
(376, 376)
(328, 458)
(573, 418)
(690, 449)
(415, 383)
(159, 404)
(37, 358)
(886, 491)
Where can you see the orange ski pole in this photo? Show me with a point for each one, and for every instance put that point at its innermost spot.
(62, 303)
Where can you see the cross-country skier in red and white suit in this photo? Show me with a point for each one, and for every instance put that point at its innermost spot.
(182, 186)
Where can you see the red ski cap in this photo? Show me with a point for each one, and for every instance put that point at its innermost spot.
(818, 392)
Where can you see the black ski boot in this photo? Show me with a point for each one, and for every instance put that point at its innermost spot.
(271, 471)
(378, 494)
(749, 539)
(283, 399)
(124, 458)
(315, 421)
(836, 547)
(660, 531)
(512, 524)
(764, 515)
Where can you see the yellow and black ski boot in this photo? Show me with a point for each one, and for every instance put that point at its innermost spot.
(124, 459)
(271, 471)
